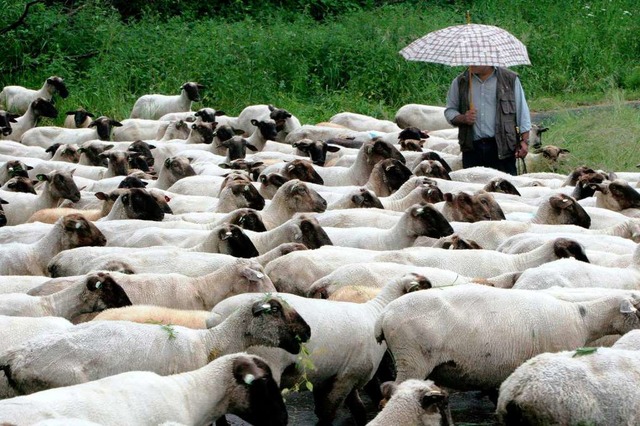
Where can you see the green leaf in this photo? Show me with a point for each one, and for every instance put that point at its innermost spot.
(584, 351)
(310, 386)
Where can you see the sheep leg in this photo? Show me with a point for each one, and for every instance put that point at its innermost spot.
(328, 396)
(356, 407)
(412, 364)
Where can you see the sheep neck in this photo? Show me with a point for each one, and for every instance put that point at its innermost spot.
(360, 170)
(226, 337)
(277, 212)
(46, 200)
(205, 389)
(48, 246)
(264, 241)
(211, 287)
(65, 303)
(536, 257)
(389, 293)
(598, 317)
(226, 202)
(116, 212)
(165, 179)
(256, 139)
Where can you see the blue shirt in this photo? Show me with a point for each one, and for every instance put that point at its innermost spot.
(484, 101)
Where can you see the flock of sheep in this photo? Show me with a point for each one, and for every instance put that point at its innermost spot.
(179, 265)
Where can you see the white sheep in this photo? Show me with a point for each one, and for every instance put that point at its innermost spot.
(93, 294)
(425, 117)
(237, 383)
(285, 121)
(417, 220)
(363, 123)
(155, 106)
(31, 259)
(523, 323)
(414, 402)
(581, 386)
(24, 123)
(341, 365)
(105, 348)
(17, 98)
(296, 272)
(134, 129)
(45, 136)
(57, 186)
(78, 119)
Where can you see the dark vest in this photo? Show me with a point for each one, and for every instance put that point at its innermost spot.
(505, 128)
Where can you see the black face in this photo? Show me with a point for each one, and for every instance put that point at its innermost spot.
(44, 108)
(395, 173)
(625, 195)
(313, 236)
(304, 171)
(250, 220)
(437, 225)
(15, 169)
(224, 132)
(251, 195)
(434, 156)
(144, 149)
(61, 88)
(239, 244)
(192, 90)
(3, 219)
(267, 129)
(143, 205)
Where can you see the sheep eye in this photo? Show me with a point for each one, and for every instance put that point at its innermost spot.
(125, 198)
(275, 309)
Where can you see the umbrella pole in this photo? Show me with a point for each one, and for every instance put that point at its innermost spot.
(470, 90)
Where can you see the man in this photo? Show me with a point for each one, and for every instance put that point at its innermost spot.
(487, 120)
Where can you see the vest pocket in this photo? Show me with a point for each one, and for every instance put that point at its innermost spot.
(508, 106)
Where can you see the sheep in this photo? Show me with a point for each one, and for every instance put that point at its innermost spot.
(31, 259)
(296, 272)
(285, 121)
(343, 365)
(182, 292)
(523, 323)
(527, 241)
(93, 294)
(3, 218)
(45, 136)
(292, 197)
(173, 130)
(363, 123)
(546, 158)
(78, 119)
(315, 149)
(64, 152)
(376, 275)
(204, 114)
(17, 98)
(90, 153)
(153, 314)
(573, 387)
(422, 116)
(20, 184)
(416, 221)
(414, 402)
(616, 195)
(155, 106)
(6, 118)
(464, 207)
(133, 129)
(239, 383)
(354, 294)
(359, 172)
(105, 348)
(57, 185)
(565, 273)
(358, 198)
(38, 108)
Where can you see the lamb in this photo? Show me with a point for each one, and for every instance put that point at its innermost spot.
(17, 98)
(342, 366)
(363, 123)
(422, 116)
(31, 259)
(597, 388)
(152, 314)
(238, 384)
(78, 119)
(528, 325)
(155, 106)
(45, 136)
(57, 186)
(105, 348)
(38, 108)
(414, 402)
(418, 220)
(296, 272)
(93, 294)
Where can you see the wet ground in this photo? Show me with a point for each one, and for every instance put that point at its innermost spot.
(467, 408)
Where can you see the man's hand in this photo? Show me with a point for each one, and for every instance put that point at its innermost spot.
(523, 150)
(468, 118)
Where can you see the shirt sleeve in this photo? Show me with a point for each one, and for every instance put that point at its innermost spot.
(451, 110)
(522, 109)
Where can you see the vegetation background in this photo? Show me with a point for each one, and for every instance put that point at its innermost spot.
(319, 57)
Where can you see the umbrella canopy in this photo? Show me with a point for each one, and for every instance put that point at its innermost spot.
(470, 44)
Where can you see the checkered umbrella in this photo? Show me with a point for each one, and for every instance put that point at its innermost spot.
(470, 44)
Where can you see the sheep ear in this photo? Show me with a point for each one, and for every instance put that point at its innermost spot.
(245, 371)
(115, 123)
(333, 148)
(219, 113)
(42, 177)
(271, 107)
(93, 124)
(626, 307)
(448, 197)
(70, 113)
(252, 274)
(563, 150)
(101, 196)
(3, 201)
(251, 147)
(388, 389)
(167, 162)
(431, 398)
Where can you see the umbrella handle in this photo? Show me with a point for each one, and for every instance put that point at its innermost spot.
(470, 89)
